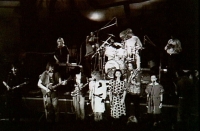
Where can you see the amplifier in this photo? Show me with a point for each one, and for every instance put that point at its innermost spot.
(70, 65)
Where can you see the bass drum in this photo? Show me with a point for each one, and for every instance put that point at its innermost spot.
(110, 68)
(122, 66)
(110, 52)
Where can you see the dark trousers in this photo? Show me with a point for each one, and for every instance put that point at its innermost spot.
(133, 105)
(14, 107)
(87, 66)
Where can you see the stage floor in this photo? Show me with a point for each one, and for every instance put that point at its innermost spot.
(33, 118)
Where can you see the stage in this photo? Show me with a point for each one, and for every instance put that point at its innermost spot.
(33, 118)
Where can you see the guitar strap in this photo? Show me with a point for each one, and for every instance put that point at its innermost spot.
(51, 79)
(48, 96)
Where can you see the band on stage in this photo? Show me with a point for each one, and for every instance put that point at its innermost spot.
(109, 74)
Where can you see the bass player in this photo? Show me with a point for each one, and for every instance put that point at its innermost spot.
(14, 85)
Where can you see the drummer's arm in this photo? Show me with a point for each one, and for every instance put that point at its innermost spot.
(138, 44)
(125, 46)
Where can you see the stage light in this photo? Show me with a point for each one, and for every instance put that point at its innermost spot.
(96, 15)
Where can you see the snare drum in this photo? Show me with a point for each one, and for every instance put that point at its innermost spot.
(110, 68)
(117, 44)
(110, 52)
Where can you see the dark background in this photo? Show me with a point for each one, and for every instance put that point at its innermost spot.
(29, 29)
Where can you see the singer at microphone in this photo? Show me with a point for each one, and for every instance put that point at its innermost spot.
(154, 93)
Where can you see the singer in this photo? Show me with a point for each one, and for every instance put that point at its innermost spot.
(91, 46)
(154, 99)
(97, 95)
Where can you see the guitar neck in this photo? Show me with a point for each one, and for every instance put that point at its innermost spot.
(19, 85)
(6, 85)
(84, 86)
(8, 88)
(54, 86)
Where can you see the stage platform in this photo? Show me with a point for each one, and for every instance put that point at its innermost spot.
(33, 118)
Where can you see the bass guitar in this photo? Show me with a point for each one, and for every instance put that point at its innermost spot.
(18, 86)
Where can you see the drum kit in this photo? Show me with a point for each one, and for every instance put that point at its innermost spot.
(115, 56)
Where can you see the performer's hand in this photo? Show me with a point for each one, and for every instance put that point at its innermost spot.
(57, 61)
(133, 82)
(47, 90)
(91, 79)
(49, 86)
(64, 82)
(89, 101)
(160, 106)
(147, 107)
(8, 88)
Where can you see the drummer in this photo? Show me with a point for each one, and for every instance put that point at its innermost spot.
(132, 45)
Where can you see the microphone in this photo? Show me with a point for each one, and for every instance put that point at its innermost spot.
(111, 35)
(116, 21)
(153, 83)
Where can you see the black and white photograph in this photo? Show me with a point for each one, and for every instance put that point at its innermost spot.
(99, 65)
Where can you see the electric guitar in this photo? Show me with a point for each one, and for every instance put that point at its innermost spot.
(52, 87)
(78, 88)
(18, 86)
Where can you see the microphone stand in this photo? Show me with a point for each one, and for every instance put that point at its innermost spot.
(148, 40)
(97, 51)
(101, 46)
(107, 26)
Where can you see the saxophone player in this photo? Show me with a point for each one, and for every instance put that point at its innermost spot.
(133, 92)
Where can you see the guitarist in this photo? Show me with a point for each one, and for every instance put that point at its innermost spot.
(78, 94)
(133, 93)
(47, 80)
(14, 95)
